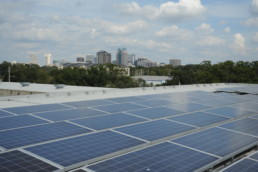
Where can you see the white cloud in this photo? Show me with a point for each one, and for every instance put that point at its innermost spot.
(227, 29)
(238, 45)
(205, 28)
(171, 11)
(211, 41)
(125, 28)
(175, 32)
(255, 37)
(251, 22)
(254, 7)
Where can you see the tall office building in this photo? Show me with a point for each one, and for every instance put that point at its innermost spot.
(131, 58)
(80, 60)
(121, 56)
(175, 62)
(103, 57)
(90, 58)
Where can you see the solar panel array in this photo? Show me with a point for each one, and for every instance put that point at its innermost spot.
(184, 131)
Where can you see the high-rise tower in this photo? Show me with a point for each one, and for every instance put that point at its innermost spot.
(121, 56)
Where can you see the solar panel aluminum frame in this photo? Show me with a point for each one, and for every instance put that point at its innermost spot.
(230, 156)
(105, 157)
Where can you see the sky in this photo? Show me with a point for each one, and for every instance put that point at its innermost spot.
(190, 30)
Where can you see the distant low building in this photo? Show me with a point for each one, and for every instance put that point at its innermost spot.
(144, 62)
(154, 80)
(175, 62)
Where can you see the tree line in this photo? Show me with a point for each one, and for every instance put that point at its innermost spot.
(96, 76)
(111, 75)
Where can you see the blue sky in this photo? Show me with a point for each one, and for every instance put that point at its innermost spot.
(191, 30)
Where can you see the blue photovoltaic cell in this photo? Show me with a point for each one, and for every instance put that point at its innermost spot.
(230, 112)
(119, 107)
(216, 102)
(164, 157)
(19, 121)
(17, 161)
(157, 112)
(255, 156)
(248, 105)
(36, 108)
(126, 99)
(245, 165)
(83, 148)
(70, 114)
(108, 121)
(189, 107)
(199, 119)
(217, 141)
(247, 125)
(155, 129)
(155, 103)
(88, 103)
(35, 134)
(4, 114)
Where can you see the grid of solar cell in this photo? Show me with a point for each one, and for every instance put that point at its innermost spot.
(216, 102)
(217, 141)
(156, 112)
(70, 114)
(189, 107)
(88, 103)
(122, 107)
(19, 121)
(126, 99)
(245, 165)
(162, 157)
(36, 108)
(248, 105)
(108, 121)
(255, 156)
(35, 134)
(17, 161)
(4, 114)
(199, 119)
(83, 148)
(247, 125)
(155, 103)
(230, 112)
(154, 130)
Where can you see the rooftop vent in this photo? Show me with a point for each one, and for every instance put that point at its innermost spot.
(25, 84)
(59, 86)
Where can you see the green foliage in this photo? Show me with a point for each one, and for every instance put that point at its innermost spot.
(226, 72)
(112, 76)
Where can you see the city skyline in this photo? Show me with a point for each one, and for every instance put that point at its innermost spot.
(190, 30)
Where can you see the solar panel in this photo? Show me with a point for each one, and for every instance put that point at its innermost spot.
(70, 114)
(255, 156)
(189, 107)
(126, 99)
(155, 103)
(122, 107)
(154, 130)
(88, 103)
(19, 121)
(230, 112)
(156, 112)
(83, 148)
(17, 161)
(4, 114)
(248, 105)
(199, 119)
(31, 135)
(245, 165)
(108, 121)
(217, 141)
(216, 102)
(247, 125)
(164, 157)
(36, 108)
